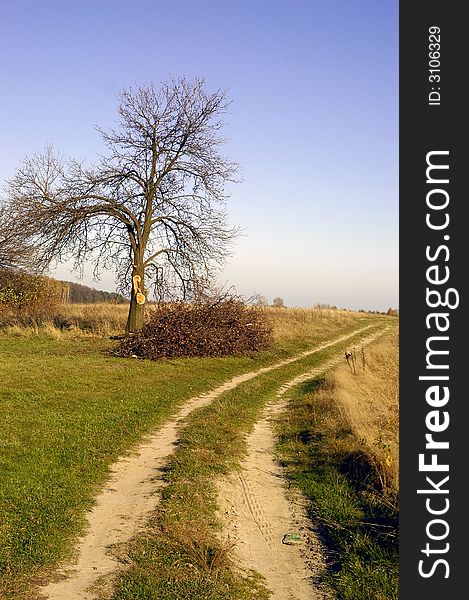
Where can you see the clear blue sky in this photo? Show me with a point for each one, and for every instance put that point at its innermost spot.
(314, 121)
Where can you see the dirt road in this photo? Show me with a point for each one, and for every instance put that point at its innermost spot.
(131, 493)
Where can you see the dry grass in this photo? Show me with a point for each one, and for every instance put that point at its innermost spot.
(101, 318)
(368, 402)
(301, 323)
(199, 544)
(34, 329)
(105, 319)
(68, 320)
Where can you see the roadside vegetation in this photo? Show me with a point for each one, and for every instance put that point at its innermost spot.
(338, 442)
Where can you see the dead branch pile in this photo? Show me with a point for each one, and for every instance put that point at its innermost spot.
(221, 328)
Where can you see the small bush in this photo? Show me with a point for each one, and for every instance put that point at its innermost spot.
(221, 328)
(27, 294)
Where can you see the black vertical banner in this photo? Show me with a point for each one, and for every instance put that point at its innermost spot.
(434, 350)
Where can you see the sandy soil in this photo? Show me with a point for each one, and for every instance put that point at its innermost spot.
(258, 511)
(131, 493)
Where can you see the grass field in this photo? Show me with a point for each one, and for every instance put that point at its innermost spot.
(70, 408)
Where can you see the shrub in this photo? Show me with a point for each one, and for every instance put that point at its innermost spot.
(220, 328)
(24, 293)
(278, 302)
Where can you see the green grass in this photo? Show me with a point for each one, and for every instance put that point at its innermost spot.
(359, 525)
(182, 554)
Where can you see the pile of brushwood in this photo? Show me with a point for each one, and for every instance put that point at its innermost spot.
(209, 328)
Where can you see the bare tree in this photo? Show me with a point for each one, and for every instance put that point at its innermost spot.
(152, 209)
(259, 300)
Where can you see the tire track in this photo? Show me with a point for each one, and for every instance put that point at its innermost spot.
(131, 494)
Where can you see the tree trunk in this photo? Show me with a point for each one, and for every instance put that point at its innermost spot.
(136, 318)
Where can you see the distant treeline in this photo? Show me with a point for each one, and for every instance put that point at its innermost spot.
(82, 294)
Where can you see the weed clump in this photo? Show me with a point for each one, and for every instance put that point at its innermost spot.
(219, 328)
